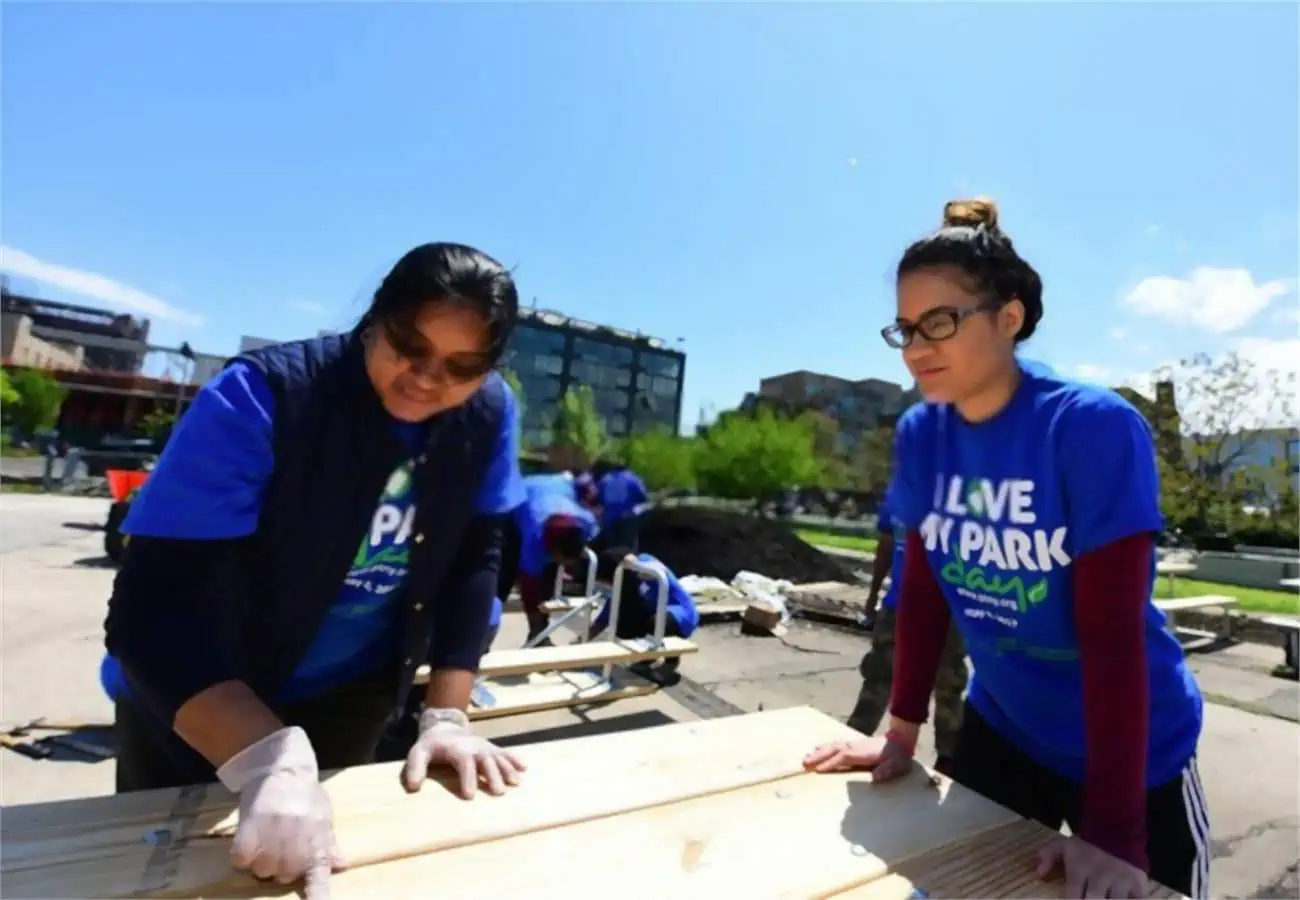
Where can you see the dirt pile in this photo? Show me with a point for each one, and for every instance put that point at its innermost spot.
(695, 541)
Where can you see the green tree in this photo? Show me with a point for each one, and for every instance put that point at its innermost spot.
(665, 461)
(158, 424)
(579, 431)
(1224, 412)
(9, 397)
(873, 460)
(756, 457)
(39, 400)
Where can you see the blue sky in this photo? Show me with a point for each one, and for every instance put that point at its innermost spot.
(742, 176)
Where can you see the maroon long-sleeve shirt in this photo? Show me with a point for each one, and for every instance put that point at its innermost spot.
(1111, 587)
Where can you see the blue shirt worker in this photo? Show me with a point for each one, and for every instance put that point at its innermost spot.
(325, 518)
(554, 529)
(623, 496)
(639, 602)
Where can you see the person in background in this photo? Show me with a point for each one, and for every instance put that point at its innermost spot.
(622, 496)
(555, 529)
(639, 601)
(877, 666)
(1031, 505)
(325, 518)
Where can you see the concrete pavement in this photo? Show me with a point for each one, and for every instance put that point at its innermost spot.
(54, 589)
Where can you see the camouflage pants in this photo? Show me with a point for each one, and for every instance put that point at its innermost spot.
(877, 670)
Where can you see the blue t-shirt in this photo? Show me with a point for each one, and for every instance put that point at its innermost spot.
(546, 496)
(681, 606)
(621, 492)
(209, 483)
(1004, 508)
(887, 525)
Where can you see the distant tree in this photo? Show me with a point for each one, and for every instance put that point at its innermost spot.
(39, 399)
(664, 460)
(158, 424)
(1226, 411)
(579, 431)
(756, 457)
(829, 447)
(9, 396)
(873, 460)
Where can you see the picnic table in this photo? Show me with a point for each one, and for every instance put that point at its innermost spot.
(719, 808)
(1172, 569)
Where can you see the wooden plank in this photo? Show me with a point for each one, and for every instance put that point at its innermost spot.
(800, 837)
(1000, 862)
(540, 692)
(96, 847)
(499, 663)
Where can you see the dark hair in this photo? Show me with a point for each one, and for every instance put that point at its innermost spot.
(452, 274)
(971, 242)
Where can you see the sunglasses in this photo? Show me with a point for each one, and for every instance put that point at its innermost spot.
(458, 367)
(937, 324)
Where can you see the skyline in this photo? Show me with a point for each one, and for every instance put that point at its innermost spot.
(740, 176)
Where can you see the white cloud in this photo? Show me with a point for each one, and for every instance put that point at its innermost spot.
(1092, 372)
(93, 285)
(1118, 333)
(1214, 300)
(853, 162)
(311, 307)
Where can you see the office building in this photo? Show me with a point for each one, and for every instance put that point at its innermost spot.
(856, 406)
(86, 337)
(636, 380)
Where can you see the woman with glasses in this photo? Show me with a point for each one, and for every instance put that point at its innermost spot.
(1031, 506)
(325, 518)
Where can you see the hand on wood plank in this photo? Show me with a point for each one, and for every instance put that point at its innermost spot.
(445, 739)
(885, 758)
(286, 820)
(1090, 871)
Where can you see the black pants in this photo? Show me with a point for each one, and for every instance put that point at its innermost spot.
(1178, 828)
(344, 724)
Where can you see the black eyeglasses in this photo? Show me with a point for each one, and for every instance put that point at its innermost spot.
(937, 324)
(459, 367)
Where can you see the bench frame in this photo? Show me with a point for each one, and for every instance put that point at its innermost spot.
(1290, 629)
(1199, 637)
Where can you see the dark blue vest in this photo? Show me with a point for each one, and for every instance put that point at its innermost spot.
(190, 614)
(335, 448)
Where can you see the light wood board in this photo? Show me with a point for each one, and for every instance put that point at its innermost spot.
(96, 847)
(1001, 862)
(796, 838)
(555, 690)
(498, 663)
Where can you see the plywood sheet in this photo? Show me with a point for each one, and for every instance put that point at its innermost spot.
(96, 847)
(1000, 862)
(800, 837)
(498, 663)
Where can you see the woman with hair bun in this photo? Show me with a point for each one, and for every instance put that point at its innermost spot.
(1031, 505)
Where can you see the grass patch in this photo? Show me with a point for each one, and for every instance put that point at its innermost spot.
(1255, 600)
(842, 541)
(19, 487)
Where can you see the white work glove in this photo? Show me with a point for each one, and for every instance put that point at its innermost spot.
(445, 739)
(286, 821)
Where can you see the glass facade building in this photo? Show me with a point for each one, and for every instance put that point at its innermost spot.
(636, 380)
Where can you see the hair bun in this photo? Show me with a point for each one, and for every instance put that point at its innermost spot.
(971, 213)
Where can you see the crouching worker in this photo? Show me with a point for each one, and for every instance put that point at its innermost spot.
(639, 600)
(554, 531)
(324, 519)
